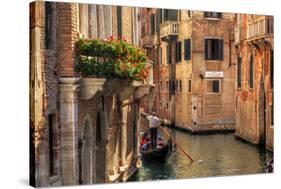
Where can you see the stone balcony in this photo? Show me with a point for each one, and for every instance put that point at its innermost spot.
(168, 30)
(261, 27)
(149, 40)
(90, 86)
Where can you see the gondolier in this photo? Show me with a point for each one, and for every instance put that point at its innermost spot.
(153, 124)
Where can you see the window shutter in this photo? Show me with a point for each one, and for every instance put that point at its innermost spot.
(187, 49)
(239, 72)
(119, 21)
(158, 20)
(206, 49)
(251, 72)
(221, 49)
(179, 51)
(216, 86)
(152, 24)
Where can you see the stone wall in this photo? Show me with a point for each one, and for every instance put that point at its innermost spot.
(254, 105)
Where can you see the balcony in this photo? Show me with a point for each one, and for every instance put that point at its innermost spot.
(149, 40)
(260, 28)
(168, 30)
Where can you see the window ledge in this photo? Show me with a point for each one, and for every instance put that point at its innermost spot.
(212, 18)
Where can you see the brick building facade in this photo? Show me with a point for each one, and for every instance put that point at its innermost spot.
(194, 67)
(254, 75)
(82, 130)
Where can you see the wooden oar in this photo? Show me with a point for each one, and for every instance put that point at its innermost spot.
(186, 154)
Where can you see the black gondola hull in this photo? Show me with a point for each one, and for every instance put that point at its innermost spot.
(159, 154)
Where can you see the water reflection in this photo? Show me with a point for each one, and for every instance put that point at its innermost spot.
(214, 155)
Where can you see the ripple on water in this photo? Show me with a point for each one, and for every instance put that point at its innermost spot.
(214, 155)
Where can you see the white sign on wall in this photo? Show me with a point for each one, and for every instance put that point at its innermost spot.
(213, 74)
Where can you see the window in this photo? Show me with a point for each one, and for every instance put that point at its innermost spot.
(180, 86)
(189, 85)
(212, 86)
(167, 106)
(179, 14)
(167, 86)
(170, 14)
(188, 14)
(168, 58)
(178, 51)
(177, 84)
(119, 22)
(271, 69)
(152, 24)
(98, 128)
(51, 120)
(187, 49)
(239, 70)
(160, 85)
(213, 49)
(212, 15)
(48, 24)
(251, 79)
(158, 19)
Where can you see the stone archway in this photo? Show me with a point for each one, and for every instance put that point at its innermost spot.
(86, 153)
(100, 153)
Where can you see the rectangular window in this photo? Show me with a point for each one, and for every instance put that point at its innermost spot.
(178, 51)
(168, 58)
(187, 49)
(177, 84)
(119, 22)
(158, 19)
(251, 79)
(51, 120)
(170, 14)
(180, 86)
(179, 13)
(213, 49)
(152, 24)
(239, 71)
(189, 85)
(212, 86)
(212, 15)
(167, 86)
(271, 69)
(48, 24)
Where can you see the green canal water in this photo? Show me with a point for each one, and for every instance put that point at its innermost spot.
(214, 155)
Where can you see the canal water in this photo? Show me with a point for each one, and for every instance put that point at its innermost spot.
(213, 154)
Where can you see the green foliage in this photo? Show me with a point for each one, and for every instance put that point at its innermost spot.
(111, 58)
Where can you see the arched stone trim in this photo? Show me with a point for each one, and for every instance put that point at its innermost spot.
(86, 152)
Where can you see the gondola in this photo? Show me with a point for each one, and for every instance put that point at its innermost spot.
(159, 154)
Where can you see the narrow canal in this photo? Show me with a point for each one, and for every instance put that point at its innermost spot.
(214, 155)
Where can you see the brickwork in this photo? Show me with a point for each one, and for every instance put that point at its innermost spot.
(73, 155)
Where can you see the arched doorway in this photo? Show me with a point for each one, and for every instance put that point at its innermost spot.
(262, 114)
(100, 153)
(86, 153)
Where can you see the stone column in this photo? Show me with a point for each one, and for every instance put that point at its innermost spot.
(69, 130)
(124, 115)
(101, 33)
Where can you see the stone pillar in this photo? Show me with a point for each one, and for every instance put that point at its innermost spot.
(124, 115)
(93, 31)
(100, 11)
(69, 130)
